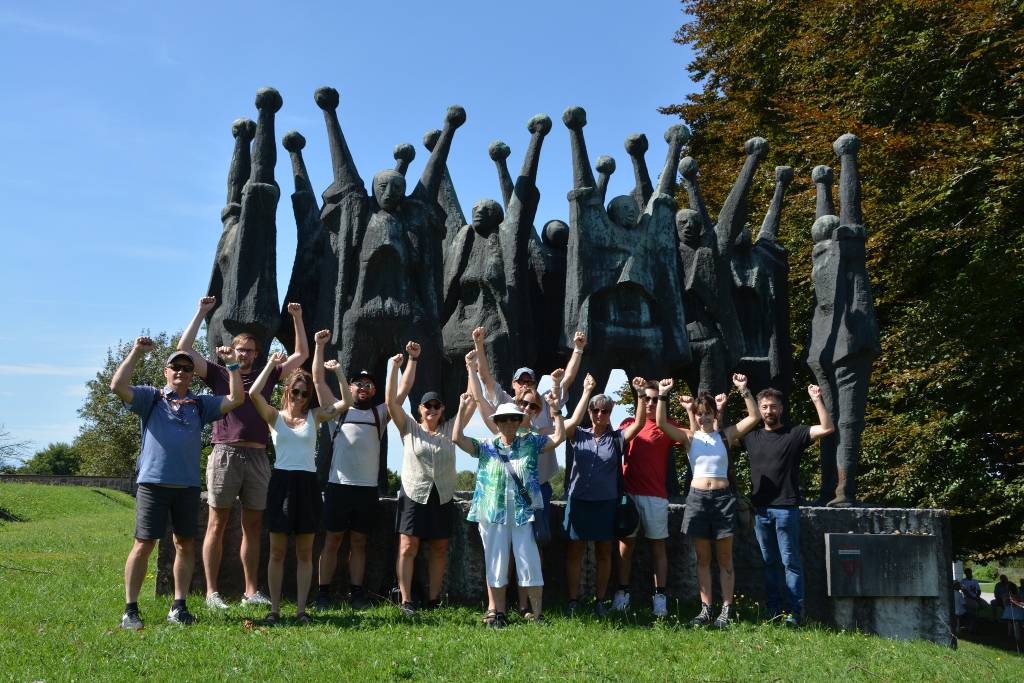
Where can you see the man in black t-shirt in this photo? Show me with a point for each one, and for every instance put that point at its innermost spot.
(775, 453)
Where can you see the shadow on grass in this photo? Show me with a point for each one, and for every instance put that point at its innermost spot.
(8, 516)
(117, 500)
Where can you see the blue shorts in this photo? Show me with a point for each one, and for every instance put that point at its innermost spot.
(590, 520)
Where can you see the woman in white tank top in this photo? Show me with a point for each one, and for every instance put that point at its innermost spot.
(710, 514)
(293, 497)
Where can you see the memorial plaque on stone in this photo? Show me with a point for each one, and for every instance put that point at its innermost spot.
(881, 565)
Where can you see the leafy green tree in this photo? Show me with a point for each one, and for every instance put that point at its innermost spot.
(57, 458)
(108, 441)
(935, 91)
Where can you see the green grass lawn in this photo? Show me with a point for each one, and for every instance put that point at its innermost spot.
(61, 596)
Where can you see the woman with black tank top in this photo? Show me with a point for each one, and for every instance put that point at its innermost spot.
(711, 502)
(293, 499)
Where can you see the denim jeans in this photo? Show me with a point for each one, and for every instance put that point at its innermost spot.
(778, 533)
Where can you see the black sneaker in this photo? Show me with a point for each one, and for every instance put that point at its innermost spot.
(572, 607)
(180, 615)
(408, 609)
(432, 604)
(499, 620)
(131, 621)
(357, 600)
(724, 617)
(322, 602)
(702, 619)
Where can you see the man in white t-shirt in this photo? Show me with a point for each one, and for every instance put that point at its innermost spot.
(351, 500)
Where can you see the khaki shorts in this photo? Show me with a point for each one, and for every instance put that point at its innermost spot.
(653, 516)
(242, 473)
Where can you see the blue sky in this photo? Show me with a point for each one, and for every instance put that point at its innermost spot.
(116, 128)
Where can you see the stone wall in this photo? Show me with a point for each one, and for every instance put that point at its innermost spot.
(123, 484)
(906, 617)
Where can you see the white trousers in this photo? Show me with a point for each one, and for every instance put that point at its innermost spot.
(498, 540)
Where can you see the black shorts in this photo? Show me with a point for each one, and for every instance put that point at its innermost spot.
(425, 521)
(590, 520)
(153, 504)
(294, 502)
(350, 508)
(710, 514)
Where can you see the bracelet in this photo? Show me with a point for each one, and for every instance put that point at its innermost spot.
(745, 393)
(578, 350)
(662, 397)
(231, 367)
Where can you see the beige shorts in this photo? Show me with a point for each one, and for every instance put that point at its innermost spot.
(233, 472)
(653, 516)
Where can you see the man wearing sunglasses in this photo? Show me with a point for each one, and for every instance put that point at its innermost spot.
(168, 469)
(238, 467)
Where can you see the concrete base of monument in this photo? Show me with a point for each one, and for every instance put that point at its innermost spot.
(867, 583)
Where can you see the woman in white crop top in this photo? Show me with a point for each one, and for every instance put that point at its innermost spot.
(293, 497)
(711, 502)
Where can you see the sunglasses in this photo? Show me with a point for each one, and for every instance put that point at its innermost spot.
(363, 384)
(650, 399)
(297, 393)
(498, 419)
(601, 411)
(527, 404)
(182, 368)
(433, 405)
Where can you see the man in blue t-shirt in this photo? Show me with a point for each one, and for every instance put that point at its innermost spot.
(168, 468)
(775, 453)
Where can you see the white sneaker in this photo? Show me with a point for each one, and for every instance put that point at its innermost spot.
(620, 603)
(257, 598)
(215, 601)
(660, 605)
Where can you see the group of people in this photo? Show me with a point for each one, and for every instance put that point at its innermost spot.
(1007, 604)
(617, 479)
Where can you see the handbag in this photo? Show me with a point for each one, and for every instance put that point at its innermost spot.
(541, 528)
(627, 517)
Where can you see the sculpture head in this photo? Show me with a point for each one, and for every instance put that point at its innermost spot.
(823, 228)
(623, 212)
(487, 216)
(389, 189)
(744, 240)
(688, 227)
(555, 234)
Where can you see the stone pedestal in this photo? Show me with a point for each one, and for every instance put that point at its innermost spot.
(925, 613)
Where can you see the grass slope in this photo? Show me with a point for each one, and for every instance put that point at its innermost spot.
(61, 597)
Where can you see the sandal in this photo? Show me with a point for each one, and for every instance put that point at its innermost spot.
(489, 617)
(303, 619)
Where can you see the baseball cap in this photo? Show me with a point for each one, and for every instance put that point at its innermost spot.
(431, 396)
(363, 374)
(529, 371)
(175, 355)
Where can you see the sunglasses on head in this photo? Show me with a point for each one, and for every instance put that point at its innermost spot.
(299, 393)
(601, 411)
(498, 419)
(181, 368)
(433, 405)
(527, 404)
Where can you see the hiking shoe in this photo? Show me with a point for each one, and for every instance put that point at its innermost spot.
(602, 608)
(272, 619)
(499, 621)
(408, 609)
(215, 601)
(660, 605)
(572, 607)
(724, 617)
(359, 601)
(303, 619)
(180, 615)
(257, 598)
(620, 603)
(322, 602)
(131, 621)
(702, 619)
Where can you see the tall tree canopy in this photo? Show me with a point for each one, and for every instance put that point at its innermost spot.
(934, 90)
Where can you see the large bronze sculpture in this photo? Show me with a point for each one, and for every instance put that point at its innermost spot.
(658, 290)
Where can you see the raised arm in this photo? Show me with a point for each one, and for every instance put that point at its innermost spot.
(301, 353)
(404, 154)
(477, 392)
(409, 376)
(581, 408)
(770, 226)
(330, 406)
(466, 405)
(346, 177)
(734, 211)
(630, 432)
(676, 136)
(572, 368)
(605, 168)
(522, 206)
(823, 179)
(636, 147)
(121, 382)
(433, 173)
(236, 388)
(574, 119)
(499, 153)
(688, 169)
(188, 337)
(395, 408)
(846, 147)
(554, 406)
(736, 432)
(824, 426)
(661, 414)
(483, 367)
(265, 410)
(686, 401)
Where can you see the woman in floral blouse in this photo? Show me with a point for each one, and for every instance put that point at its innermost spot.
(504, 508)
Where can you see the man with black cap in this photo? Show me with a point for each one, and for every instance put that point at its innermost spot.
(351, 498)
(168, 468)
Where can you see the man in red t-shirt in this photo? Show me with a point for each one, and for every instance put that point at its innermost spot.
(645, 474)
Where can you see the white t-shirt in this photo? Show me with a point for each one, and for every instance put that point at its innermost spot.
(294, 449)
(356, 457)
(542, 423)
